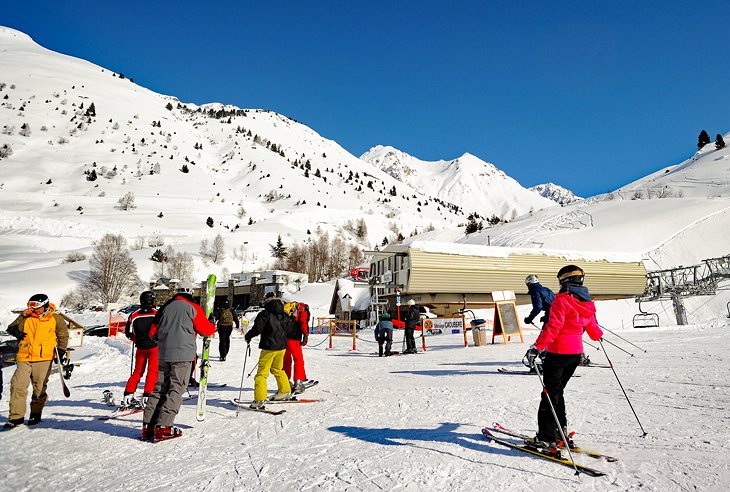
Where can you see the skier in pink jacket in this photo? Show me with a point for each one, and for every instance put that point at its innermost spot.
(571, 313)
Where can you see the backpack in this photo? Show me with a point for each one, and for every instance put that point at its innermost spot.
(290, 308)
(226, 318)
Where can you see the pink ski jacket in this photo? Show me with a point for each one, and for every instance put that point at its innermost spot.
(563, 333)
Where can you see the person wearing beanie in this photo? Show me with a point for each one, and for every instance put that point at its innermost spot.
(572, 312)
(412, 317)
(542, 298)
(145, 358)
(384, 334)
(273, 325)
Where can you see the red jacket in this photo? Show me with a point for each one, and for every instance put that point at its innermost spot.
(563, 334)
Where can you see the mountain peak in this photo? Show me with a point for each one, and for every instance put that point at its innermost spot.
(556, 193)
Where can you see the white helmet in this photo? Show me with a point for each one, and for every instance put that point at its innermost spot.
(531, 279)
(411, 302)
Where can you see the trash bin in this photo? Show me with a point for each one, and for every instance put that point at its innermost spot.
(479, 332)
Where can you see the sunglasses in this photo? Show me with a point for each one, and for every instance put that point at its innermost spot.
(36, 304)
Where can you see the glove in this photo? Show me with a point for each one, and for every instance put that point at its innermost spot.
(305, 339)
(531, 354)
(20, 336)
(248, 339)
(528, 320)
(61, 355)
(543, 319)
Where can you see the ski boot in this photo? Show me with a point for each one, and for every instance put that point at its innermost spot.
(164, 433)
(34, 419)
(298, 387)
(569, 437)
(13, 423)
(257, 405)
(545, 447)
(281, 396)
(146, 432)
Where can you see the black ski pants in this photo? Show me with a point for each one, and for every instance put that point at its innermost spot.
(385, 337)
(410, 341)
(556, 372)
(224, 343)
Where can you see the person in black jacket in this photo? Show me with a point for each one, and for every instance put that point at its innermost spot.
(226, 319)
(274, 325)
(413, 316)
(138, 330)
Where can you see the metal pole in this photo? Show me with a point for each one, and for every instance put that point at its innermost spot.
(622, 388)
(240, 389)
(623, 350)
(622, 338)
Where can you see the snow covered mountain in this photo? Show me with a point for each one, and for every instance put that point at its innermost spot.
(706, 174)
(468, 181)
(556, 193)
(76, 138)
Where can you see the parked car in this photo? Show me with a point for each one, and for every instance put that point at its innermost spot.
(8, 349)
(129, 309)
(96, 331)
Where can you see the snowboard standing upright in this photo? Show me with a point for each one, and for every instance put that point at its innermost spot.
(207, 298)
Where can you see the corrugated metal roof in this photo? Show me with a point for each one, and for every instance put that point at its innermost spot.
(432, 272)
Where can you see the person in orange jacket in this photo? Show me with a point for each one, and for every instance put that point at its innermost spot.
(40, 333)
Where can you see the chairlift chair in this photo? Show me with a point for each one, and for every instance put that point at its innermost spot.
(645, 319)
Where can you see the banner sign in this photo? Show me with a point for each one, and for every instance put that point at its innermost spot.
(435, 326)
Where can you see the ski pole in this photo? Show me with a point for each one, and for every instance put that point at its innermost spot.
(555, 416)
(622, 338)
(591, 345)
(240, 389)
(131, 365)
(622, 387)
(621, 349)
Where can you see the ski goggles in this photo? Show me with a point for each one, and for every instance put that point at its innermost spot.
(36, 304)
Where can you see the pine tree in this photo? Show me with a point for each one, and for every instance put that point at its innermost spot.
(278, 250)
(719, 142)
(472, 226)
(703, 139)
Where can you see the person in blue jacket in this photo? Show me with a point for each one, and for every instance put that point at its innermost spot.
(542, 298)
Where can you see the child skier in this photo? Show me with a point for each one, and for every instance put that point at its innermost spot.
(138, 330)
(297, 338)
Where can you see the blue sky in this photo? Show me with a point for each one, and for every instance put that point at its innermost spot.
(589, 95)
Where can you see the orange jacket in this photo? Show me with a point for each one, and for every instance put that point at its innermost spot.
(42, 334)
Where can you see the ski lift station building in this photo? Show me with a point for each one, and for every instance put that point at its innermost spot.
(452, 276)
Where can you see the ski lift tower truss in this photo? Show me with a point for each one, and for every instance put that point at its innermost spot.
(678, 283)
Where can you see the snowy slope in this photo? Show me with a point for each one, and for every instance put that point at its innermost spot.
(705, 174)
(467, 181)
(400, 423)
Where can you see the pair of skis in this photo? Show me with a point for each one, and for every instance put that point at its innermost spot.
(122, 410)
(246, 404)
(207, 299)
(489, 433)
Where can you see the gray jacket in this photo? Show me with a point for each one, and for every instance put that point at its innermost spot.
(177, 321)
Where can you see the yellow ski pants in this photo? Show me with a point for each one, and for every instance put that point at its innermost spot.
(270, 361)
